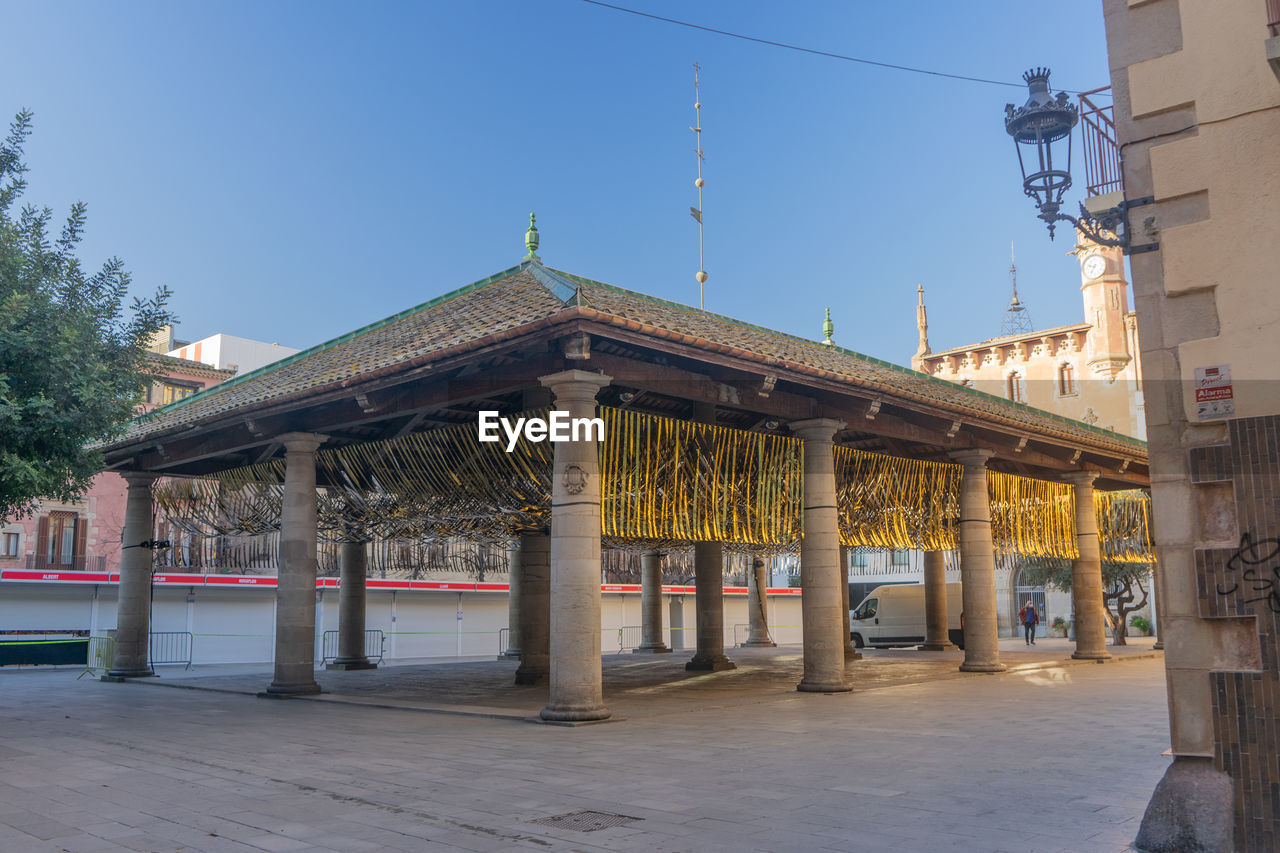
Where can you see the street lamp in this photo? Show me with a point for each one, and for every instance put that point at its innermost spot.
(1042, 129)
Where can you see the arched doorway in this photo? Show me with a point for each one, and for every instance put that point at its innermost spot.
(1024, 591)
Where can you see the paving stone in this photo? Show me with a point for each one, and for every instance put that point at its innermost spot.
(919, 758)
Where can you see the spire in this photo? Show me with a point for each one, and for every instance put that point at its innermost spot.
(531, 240)
(828, 329)
(922, 326)
(1016, 319)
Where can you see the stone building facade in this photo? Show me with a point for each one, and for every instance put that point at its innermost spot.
(1087, 371)
(1197, 110)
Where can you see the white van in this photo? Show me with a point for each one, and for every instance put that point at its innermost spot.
(893, 615)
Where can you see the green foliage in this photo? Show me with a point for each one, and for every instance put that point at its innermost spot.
(1124, 587)
(1059, 623)
(1141, 625)
(72, 364)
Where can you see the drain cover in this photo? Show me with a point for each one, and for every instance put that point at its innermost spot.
(587, 821)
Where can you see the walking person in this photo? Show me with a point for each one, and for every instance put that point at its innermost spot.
(1029, 619)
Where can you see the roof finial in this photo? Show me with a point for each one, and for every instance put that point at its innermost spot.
(828, 329)
(922, 326)
(531, 240)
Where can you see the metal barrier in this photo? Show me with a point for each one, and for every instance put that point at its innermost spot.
(629, 637)
(374, 642)
(171, 647)
(102, 651)
(504, 640)
(746, 631)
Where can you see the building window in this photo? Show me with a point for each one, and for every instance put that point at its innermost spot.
(1066, 380)
(170, 393)
(900, 558)
(1016, 390)
(9, 545)
(860, 559)
(60, 540)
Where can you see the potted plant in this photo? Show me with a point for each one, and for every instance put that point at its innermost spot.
(1060, 626)
(1142, 626)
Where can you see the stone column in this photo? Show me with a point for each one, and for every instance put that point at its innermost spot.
(1086, 574)
(757, 612)
(1157, 608)
(576, 687)
(675, 610)
(819, 562)
(977, 566)
(351, 608)
(937, 638)
(296, 587)
(535, 609)
(513, 602)
(850, 653)
(651, 603)
(133, 616)
(708, 574)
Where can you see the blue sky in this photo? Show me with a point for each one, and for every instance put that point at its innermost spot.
(293, 170)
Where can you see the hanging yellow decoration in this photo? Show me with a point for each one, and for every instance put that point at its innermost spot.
(677, 481)
(896, 503)
(1124, 528)
(1032, 518)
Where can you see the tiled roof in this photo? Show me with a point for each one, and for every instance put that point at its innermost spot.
(166, 364)
(530, 294)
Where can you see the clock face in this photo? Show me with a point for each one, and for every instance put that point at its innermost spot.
(1094, 266)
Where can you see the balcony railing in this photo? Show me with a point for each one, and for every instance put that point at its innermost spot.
(1098, 139)
(39, 563)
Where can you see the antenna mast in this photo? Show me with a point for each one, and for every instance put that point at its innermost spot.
(696, 212)
(1016, 319)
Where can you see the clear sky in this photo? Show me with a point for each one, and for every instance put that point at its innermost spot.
(293, 170)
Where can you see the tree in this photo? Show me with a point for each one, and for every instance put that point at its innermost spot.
(72, 365)
(1124, 588)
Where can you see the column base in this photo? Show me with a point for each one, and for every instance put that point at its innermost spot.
(937, 647)
(352, 663)
(983, 667)
(715, 663)
(284, 691)
(759, 644)
(510, 654)
(119, 676)
(1098, 656)
(810, 686)
(850, 653)
(1159, 646)
(531, 678)
(1191, 810)
(574, 715)
(659, 649)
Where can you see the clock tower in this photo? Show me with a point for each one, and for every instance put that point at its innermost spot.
(1106, 304)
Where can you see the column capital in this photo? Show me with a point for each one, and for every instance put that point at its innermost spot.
(582, 379)
(301, 442)
(975, 457)
(1081, 478)
(817, 429)
(139, 479)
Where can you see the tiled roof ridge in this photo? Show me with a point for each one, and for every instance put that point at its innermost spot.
(298, 356)
(162, 359)
(1114, 436)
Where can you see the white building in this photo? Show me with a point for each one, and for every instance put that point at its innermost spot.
(228, 352)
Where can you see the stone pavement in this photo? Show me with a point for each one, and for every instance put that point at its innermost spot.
(920, 758)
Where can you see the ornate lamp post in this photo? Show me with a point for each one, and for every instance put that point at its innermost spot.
(1041, 130)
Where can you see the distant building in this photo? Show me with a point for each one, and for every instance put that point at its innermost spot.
(1087, 371)
(227, 352)
(85, 535)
